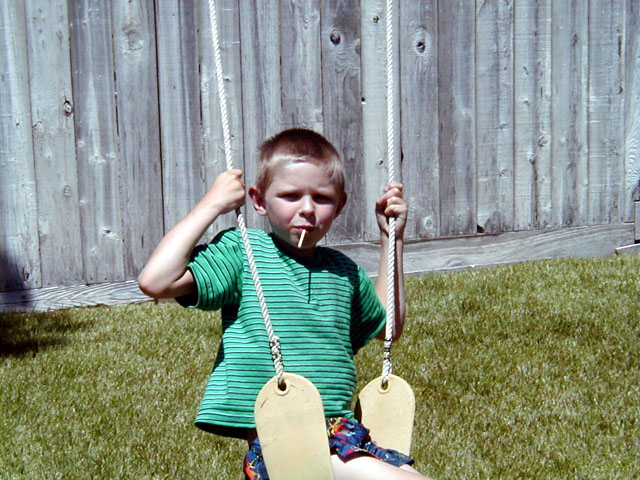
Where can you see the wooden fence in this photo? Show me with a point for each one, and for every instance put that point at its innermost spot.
(513, 115)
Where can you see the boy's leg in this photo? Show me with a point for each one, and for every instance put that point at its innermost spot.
(370, 468)
(409, 468)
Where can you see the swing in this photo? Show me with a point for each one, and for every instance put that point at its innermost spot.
(289, 407)
(389, 393)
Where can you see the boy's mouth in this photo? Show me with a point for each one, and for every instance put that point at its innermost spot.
(302, 231)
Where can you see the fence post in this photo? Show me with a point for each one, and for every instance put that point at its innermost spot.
(636, 222)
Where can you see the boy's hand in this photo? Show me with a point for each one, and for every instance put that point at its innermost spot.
(166, 274)
(227, 192)
(392, 204)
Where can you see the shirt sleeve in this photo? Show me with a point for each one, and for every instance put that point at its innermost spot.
(217, 272)
(368, 316)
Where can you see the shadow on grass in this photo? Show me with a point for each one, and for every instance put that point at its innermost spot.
(30, 333)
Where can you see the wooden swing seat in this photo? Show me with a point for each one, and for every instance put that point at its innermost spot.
(388, 412)
(292, 430)
(293, 433)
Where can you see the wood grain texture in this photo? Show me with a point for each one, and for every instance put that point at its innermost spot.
(139, 130)
(419, 116)
(494, 115)
(532, 109)
(178, 84)
(96, 133)
(632, 107)
(260, 56)
(54, 142)
(569, 146)
(375, 116)
(54, 298)
(301, 64)
(457, 117)
(457, 253)
(212, 134)
(341, 76)
(606, 119)
(636, 221)
(19, 242)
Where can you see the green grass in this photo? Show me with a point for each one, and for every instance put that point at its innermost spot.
(522, 371)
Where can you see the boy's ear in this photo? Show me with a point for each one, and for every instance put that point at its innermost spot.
(258, 201)
(341, 203)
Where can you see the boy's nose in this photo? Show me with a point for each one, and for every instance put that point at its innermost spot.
(306, 206)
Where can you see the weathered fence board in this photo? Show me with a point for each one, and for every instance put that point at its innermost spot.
(96, 141)
(568, 113)
(51, 298)
(54, 142)
(212, 136)
(606, 101)
(631, 111)
(457, 97)
(636, 213)
(342, 105)
(488, 250)
(179, 95)
(301, 65)
(19, 247)
(260, 85)
(138, 126)
(374, 108)
(419, 116)
(532, 129)
(494, 115)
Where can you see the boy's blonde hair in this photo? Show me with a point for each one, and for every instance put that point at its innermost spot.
(298, 145)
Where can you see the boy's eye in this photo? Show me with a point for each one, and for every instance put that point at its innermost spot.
(290, 196)
(323, 199)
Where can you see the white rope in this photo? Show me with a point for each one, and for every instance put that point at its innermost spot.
(391, 267)
(274, 342)
(387, 366)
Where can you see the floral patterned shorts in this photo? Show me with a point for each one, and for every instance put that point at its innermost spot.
(347, 439)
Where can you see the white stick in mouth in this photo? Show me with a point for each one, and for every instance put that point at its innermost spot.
(304, 232)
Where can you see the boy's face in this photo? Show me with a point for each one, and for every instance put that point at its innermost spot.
(301, 197)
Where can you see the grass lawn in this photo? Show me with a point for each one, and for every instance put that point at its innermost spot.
(522, 371)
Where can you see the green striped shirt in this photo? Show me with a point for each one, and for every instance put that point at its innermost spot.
(323, 310)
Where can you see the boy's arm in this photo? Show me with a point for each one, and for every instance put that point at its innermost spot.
(166, 274)
(392, 203)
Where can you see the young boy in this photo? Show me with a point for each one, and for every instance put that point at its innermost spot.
(323, 307)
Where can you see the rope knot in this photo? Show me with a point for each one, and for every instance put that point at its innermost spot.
(276, 352)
